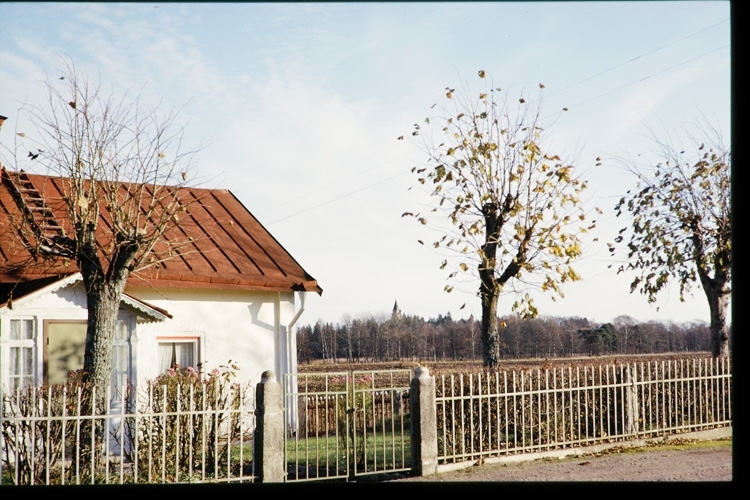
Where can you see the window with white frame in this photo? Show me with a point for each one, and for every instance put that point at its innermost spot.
(21, 353)
(178, 352)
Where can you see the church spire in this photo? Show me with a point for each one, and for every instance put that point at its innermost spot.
(396, 311)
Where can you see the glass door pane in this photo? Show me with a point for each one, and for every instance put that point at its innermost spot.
(65, 343)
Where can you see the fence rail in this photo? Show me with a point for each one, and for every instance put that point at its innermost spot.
(527, 411)
(348, 424)
(340, 425)
(318, 415)
(193, 433)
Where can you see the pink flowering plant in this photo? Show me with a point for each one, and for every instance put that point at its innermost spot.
(192, 416)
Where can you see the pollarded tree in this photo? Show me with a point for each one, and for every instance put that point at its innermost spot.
(121, 168)
(514, 208)
(682, 226)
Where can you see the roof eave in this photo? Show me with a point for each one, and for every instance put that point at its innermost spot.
(147, 310)
(143, 309)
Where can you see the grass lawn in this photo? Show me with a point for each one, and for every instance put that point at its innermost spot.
(332, 456)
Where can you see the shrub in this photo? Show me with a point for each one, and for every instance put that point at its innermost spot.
(189, 422)
(355, 414)
(33, 444)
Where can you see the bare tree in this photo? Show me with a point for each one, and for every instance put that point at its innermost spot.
(682, 225)
(121, 167)
(625, 325)
(513, 207)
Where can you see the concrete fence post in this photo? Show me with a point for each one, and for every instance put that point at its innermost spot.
(268, 442)
(631, 401)
(423, 423)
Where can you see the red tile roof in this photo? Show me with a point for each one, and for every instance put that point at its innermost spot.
(221, 244)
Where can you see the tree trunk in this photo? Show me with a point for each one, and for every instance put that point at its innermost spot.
(718, 303)
(103, 303)
(718, 292)
(490, 334)
(717, 288)
(489, 288)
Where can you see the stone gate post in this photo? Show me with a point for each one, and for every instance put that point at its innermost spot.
(423, 423)
(268, 442)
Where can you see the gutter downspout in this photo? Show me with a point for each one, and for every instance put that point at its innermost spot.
(291, 353)
(302, 297)
(291, 346)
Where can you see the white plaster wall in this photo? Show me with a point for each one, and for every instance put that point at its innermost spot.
(245, 327)
(249, 328)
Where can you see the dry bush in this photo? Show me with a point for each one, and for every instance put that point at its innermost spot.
(189, 421)
(548, 407)
(34, 444)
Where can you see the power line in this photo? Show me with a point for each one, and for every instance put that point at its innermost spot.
(652, 75)
(403, 173)
(339, 181)
(555, 92)
(639, 57)
(338, 198)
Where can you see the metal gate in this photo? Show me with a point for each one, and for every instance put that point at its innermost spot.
(347, 424)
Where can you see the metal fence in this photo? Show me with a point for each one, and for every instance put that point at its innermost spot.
(179, 434)
(347, 424)
(343, 425)
(481, 415)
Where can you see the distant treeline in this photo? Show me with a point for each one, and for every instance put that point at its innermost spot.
(411, 337)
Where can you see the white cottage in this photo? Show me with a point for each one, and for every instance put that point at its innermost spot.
(234, 294)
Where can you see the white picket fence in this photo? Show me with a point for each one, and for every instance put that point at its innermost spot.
(527, 411)
(197, 433)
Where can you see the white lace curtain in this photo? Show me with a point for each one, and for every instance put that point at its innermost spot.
(176, 353)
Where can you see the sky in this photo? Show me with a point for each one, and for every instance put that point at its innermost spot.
(299, 107)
